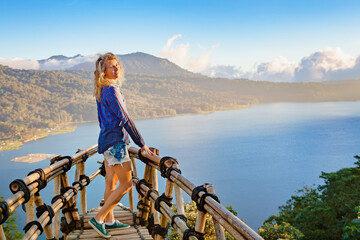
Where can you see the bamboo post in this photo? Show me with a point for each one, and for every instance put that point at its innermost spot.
(2, 233)
(83, 191)
(155, 186)
(47, 229)
(56, 220)
(219, 231)
(168, 193)
(131, 192)
(134, 174)
(131, 199)
(77, 172)
(69, 216)
(179, 200)
(30, 209)
(147, 173)
(146, 200)
(155, 213)
(133, 165)
(71, 202)
(144, 215)
(200, 221)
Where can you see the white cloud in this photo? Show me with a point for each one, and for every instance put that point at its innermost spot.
(51, 64)
(54, 64)
(20, 63)
(278, 70)
(352, 73)
(223, 71)
(202, 62)
(324, 65)
(180, 54)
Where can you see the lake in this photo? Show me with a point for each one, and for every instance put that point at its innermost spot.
(256, 158)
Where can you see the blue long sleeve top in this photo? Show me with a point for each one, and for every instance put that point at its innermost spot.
(115, 123)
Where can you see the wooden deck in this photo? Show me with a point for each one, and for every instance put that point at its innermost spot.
(124, 215)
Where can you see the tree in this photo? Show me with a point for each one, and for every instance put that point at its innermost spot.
(191, 213)
(274, 231)
(10, 227)
(326, 212)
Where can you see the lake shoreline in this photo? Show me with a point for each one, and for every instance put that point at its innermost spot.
(70, 127)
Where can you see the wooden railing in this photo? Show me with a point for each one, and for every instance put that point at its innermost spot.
(153, 209)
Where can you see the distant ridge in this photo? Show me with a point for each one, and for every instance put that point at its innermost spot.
(34, 102)
(59, 58)
(135, 63)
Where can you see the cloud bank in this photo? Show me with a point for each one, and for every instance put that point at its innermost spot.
(224, 71)
(54, 63)
(331, 64)
(327, 65)
(19, 63)
(180, 55)
(66, 63)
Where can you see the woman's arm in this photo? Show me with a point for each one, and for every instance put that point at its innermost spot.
(116, 107)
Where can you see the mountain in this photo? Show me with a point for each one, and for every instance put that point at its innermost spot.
(137, 63)
(59, 58)
(33, 101)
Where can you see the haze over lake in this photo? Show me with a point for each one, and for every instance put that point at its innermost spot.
(256, 158)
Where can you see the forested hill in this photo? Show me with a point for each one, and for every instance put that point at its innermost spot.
(33, 100)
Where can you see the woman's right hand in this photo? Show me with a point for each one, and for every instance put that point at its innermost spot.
(146, 150)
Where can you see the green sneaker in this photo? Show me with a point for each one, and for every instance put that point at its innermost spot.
(99, 228)
(117, 224)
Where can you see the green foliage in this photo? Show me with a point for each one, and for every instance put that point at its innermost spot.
(352, 230)
(10, 227)
(191, 213)
(274, 231)
(233, 211)
(326, 212)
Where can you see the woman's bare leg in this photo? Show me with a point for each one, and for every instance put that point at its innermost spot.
(111, 181)
(124, 175)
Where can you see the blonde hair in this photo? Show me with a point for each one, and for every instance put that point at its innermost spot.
(100, 80)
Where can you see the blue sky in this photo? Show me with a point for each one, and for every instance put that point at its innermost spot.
(237, 33)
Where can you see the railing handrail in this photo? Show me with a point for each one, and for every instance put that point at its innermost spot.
(204, 196)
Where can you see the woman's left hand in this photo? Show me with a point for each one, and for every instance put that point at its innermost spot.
(146, 150)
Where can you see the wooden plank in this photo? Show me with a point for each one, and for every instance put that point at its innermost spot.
(116, 211)
(87, 225)
(122, 215)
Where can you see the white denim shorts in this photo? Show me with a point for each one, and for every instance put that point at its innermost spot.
(117, 154)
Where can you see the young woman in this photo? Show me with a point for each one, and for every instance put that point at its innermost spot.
(116, 126)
